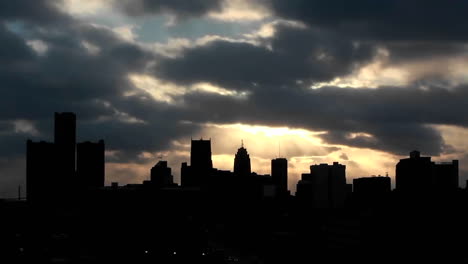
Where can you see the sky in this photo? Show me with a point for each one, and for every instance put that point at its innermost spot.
(360, 82)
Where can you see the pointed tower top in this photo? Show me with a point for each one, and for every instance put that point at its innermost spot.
(242, 143)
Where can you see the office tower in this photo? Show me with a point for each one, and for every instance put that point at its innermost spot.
(200, 155)
(90, 164)
(418, 174)
(313, 186)
(185, 177)
(325, 186)
(279, 175)
(414, 174)
(242, 162)
(42, 181)
(65, 141)
(337, 185)
(161, 175)
(201, 165)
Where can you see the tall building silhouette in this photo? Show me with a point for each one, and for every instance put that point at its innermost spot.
(418, 174)
(242, 162)
(90, 164)
(65, 141)
(161, 175)
(201, 165)
(42, 180)
(200, 155)
(279, 175)
(325, 186)
(186, 178)
(50, 167)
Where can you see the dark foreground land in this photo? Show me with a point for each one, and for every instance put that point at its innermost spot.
(175, 227)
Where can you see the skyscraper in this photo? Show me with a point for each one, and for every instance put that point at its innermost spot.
(200, 155)
(242, 162)
(65, 141)
(279, 174)
(161, 175)
(325, 185)
(186, 179)
(42, 181)
(201, 165)
(90, 164)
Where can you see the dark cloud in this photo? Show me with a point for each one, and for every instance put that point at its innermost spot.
(434, 20)
(295, 54)
(70, 77)
(13, 49)
(343, 156)
(409, 30)
(41, 11)
(180, 8)
(389, 118)
(413, 51)
(395, 138)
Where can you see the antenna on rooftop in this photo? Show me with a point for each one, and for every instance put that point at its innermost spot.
(242, 143)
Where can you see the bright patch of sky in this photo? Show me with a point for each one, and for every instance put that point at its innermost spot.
(159, 28)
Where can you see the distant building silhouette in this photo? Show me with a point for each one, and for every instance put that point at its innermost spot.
(242, 162)
(90, 164)
(42, 179)
(50, 167)
(279, 175)
(65, 140)
(418, 174)
(324, 187)
(446, 176)
(200, 155)
(375, 185)
(185, 175)
(161, 175)
(201, 165)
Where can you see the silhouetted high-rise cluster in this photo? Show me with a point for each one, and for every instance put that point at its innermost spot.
(51, 173)
(418, 174)
(221, 216)
(324, 186)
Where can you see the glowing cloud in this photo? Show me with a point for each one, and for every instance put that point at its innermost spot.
(241, 11)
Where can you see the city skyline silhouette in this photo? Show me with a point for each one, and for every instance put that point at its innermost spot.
(58, 186)
(200, 148)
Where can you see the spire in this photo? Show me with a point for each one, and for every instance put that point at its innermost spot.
(242, 143)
